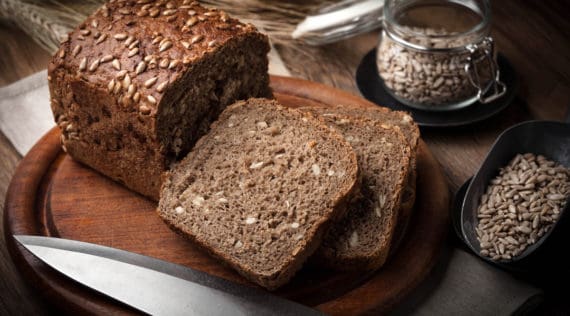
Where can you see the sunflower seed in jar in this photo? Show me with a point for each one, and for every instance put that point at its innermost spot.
(423, 77)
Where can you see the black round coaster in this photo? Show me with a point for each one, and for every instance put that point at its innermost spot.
(372, 88)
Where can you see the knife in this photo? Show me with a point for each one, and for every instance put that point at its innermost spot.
(154, 286)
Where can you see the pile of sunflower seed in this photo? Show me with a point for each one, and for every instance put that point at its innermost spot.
(521, 205)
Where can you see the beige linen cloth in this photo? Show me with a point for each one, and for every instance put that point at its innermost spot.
(460, 284)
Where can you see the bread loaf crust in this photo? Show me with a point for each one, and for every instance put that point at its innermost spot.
(137, 84)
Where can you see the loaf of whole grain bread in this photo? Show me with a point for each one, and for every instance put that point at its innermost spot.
(260, 189)
(137, 84)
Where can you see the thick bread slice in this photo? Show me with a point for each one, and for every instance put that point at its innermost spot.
(362, 240)
(412, 134)
(398, 118)
(261, 188)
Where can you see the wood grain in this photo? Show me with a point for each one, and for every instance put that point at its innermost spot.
(52, 195)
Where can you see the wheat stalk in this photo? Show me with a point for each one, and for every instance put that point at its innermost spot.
(48, 22)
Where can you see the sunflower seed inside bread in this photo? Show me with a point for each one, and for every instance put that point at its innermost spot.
(362, 240)
(138, 82)
(260, 189)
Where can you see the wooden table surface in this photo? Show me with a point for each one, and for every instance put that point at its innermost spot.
(533, 35)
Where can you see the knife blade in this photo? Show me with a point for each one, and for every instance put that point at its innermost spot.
(154, 286)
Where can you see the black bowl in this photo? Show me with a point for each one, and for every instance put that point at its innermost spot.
(550, 139)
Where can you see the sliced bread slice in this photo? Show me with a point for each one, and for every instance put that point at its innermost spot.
(412, 134)
(260, 189)
(362, 240)
(382, 114)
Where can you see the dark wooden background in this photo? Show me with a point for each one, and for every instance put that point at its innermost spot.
(533, 35)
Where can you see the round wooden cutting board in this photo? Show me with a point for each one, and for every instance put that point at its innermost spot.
(52, 195)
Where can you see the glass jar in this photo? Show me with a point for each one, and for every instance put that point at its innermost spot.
(438, 54)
